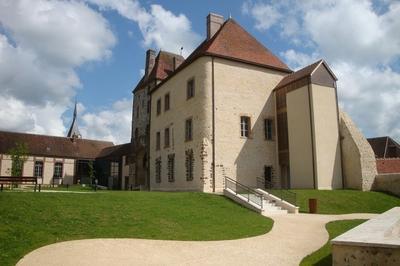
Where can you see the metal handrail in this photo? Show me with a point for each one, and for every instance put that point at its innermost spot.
(247, 189)
(283, 194)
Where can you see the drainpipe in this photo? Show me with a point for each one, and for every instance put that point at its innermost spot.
(213, 121)
(312, 132)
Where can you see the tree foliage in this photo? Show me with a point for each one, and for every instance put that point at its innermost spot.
(19, 154)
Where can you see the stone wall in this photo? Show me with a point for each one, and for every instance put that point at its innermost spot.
(387, 183)
(359, 164)
(364, 255)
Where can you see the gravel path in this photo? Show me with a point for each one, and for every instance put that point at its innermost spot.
(292, 237)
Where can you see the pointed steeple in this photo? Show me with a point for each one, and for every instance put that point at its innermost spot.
(73, 130)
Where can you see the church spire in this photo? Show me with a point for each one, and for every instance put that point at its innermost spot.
(73, 130)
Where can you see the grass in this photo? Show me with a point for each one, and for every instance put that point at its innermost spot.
(323, 256)
(31, 220)
(347, 201)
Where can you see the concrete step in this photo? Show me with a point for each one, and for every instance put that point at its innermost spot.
(269, 212)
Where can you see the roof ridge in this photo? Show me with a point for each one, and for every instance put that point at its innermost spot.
(51, 136)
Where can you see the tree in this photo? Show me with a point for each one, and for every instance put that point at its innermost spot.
(91, 171)
(19, 154)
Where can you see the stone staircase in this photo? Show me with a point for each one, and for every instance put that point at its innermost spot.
(270, 207)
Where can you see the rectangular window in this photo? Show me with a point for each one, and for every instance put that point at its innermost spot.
(268, 129)
(245, 126)
(38, 169)
(171, 166)
(158, 169)
(166, 102)
(58, 169)
(158, 106)
(190, 88)
(166, 138)
(148, 106)
(189, 163)
(158, 141)
(188, 130)
(114, 169)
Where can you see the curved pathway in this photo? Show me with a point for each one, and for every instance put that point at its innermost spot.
(291, 239)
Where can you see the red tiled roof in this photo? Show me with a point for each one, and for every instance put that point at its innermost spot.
(388, 166)
(52, 146)
(163, 67)
(233, 42)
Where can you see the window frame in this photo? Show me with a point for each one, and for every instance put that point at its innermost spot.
(158, 140)
(243, 129)
(190, 91)
(267, 135)
(167, 102)
(159, 106)
(167, 137)
(114, 169)
(158, 169)
(34, 169)
(61, 171)
(189, 164)
(187, 137)
(171, 167)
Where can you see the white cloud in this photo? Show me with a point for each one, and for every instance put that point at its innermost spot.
(41, 45)
(160, 28)
(265, 15)
(112, 123)
(361, 42)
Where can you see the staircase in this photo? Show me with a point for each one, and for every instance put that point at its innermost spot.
(256, 199)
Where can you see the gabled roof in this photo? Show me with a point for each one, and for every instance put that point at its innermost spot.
(304, 72)
(163, 67)
(233, 42)
(385, 147)
(41, 145)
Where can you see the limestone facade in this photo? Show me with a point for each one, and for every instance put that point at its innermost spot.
(359, 164)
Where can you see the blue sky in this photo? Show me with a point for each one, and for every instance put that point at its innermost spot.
(52, 52)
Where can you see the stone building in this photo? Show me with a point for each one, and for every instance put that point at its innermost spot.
(234, 109)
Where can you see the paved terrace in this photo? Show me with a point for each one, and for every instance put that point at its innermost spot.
(291, 238)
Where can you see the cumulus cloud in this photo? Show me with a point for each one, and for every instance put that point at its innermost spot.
(112, 123)
(360, 41)
(41, 45)
(160, 28)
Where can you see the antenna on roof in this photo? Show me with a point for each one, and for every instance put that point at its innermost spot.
(181, 50)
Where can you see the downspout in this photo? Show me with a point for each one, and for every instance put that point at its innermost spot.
(312, 132)
(148, 137)
(213, 121)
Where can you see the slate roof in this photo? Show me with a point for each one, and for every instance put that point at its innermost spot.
(117, 151)
(41, 145)
(385, 147)
(302, 73)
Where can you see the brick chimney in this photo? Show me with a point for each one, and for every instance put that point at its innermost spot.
(214, 22)
(150, 61)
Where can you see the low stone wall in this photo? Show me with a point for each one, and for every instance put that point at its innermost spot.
(387, 183)
(375, 242)
(359, 255)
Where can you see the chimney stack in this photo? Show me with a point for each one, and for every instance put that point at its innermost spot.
(150, 61)
(214, 23)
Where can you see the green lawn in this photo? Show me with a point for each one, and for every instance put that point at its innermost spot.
(31, 220)
(323, 256)
(346, 201)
